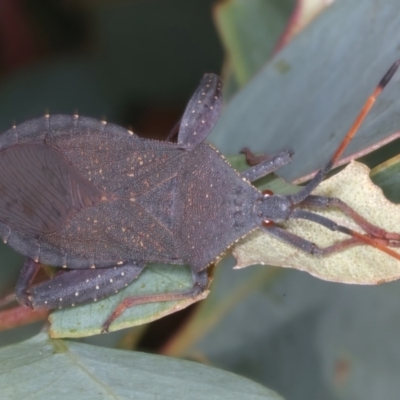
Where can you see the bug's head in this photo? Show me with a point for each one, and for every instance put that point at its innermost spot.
(273, 207)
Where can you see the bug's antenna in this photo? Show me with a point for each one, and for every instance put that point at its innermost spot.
(302, 194)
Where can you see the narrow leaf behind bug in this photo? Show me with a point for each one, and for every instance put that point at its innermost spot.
(308, 95)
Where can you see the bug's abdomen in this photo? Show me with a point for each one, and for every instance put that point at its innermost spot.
(39, 190)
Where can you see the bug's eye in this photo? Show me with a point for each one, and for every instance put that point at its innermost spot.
(266, 223)
(267, 193)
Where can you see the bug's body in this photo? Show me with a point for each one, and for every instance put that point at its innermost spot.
(108, 196)
(94, 198)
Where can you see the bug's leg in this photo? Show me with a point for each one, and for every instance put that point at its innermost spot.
(270, 164)
(201, 113)
(306, 245)
(324, 202)
(356, 237)
(74, 287)
(26, 277)
(200, 284)
(251, 158)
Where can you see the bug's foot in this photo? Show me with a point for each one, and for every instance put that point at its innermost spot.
(104, 328)
(251, 158)
(393, 237)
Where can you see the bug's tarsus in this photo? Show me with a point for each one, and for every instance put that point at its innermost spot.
(270, 164)
(251, 158)
(374, 242)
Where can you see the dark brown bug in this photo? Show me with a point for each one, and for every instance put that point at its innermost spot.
(92, 197)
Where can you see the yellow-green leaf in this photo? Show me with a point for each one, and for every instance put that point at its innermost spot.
(360, 264)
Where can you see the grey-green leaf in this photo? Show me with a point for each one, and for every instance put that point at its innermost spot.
(330, 69)
(41, 368)
(250, 31)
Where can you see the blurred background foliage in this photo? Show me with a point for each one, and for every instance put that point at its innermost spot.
(136, 63)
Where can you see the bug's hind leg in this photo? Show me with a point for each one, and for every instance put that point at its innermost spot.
(201, 113)
(270, 164)
(73, 287)
(200, 284)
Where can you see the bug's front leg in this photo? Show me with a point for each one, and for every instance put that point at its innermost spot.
(74, 287)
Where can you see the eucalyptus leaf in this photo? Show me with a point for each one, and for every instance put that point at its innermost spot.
(307, 96)
(386, 175)
(249, 31)
(41, 368)
(357, 341)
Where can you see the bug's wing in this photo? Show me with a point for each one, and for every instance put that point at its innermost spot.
(111, 232)
(137, 228)
(39, 191)
(137, 178)
(202, 112)
(111, 157)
